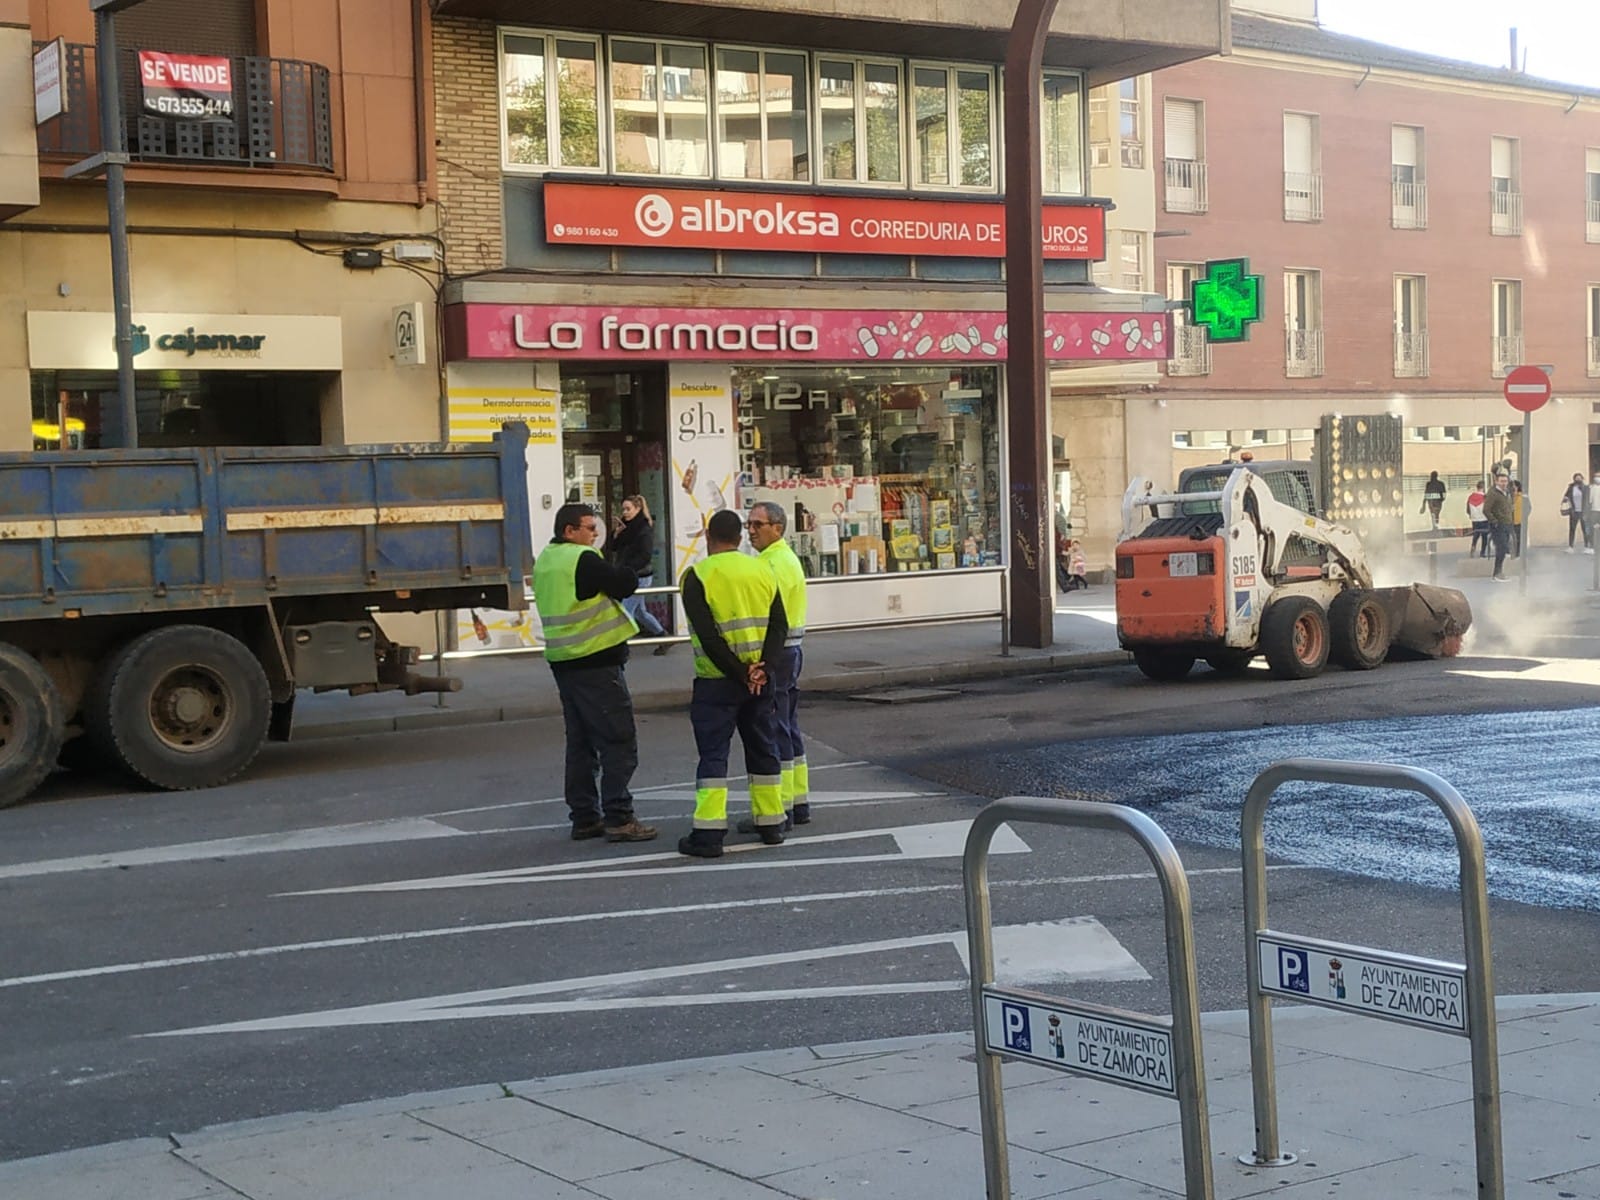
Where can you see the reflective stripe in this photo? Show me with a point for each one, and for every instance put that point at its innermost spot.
(622, 621)
(739, 591)
(572, 628)
(742, 623)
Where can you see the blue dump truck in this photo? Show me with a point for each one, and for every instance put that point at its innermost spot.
(159, 608)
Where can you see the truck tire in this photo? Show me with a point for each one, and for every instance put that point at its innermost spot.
(1294, 637)
(32, 724)
(1230, 662)
(1358, 630)
(1163, 665)
(181, 707)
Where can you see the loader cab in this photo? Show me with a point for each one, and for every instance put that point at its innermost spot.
(1290, 483)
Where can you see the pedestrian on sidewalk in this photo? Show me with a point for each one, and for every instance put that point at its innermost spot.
(586, 634)
(1497, 510)
(1521, 510)
(1574, 503)
(1433, 497)
(738, 626)
(767, 525)
(1480, 524)
(633, 545)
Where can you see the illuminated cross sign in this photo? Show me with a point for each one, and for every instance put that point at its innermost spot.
(1226, 300)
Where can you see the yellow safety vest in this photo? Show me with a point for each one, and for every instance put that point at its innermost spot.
(739, 591)
(574, 628)
(791, 577)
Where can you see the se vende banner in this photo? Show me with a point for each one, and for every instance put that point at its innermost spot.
(704, 219)
(195, 87)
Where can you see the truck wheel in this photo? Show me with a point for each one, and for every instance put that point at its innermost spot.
(1294, 637)
(1230, 662)
(1358, 629)
(1163, 665)
(181, 707)
(32, 724)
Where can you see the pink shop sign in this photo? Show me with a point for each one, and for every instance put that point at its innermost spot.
(546, 331)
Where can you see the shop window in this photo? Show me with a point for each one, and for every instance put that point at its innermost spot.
(1061, 134)
(660, 111)
(763, 123)
(538, 134)
(80, 410)
(859, 104)
(954, 123)
(878, 469)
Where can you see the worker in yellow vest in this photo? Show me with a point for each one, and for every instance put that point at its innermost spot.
(737, 624)
(767, 524)
(586, 636)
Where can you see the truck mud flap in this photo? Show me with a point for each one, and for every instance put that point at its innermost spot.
(1425, 621)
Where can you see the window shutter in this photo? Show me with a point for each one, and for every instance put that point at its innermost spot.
(1181, 123)
(1500, 157)
(1404, 139)
(1297, 143)
(1592, 159)
(225, 27)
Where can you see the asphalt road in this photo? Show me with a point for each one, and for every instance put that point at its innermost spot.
(403, 913)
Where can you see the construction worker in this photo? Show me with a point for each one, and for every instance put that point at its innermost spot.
(586, 633)
(767, 525)
(737, 624)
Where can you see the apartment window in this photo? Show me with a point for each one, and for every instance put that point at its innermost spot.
(859, 107)
(1410, 327)
(1409, 184)
(660, 111)
(1302, 323)
(1130, 261)
(953, 140)
(763, 126)
(1507, 348)
(1183, 126)
(1191, 353)
(1061, 134)
(1591, 193)
(1302, 168)
(1594, 329)
(1505, 194)
(1121, 125)
(535, 133)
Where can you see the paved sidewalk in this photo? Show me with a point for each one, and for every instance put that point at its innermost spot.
(1375, 1111)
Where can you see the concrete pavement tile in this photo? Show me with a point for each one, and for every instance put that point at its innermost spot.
(137, 1171)
(1570, 1185)
(1329, 1088)
(485, 1118)
(680, 1179)
(951, 1165)
(574, 1149)
(1117, 1189)
(1228, 1055)
(1539, 1137)
(899, 1081)
(1563, 1072)
(1414, 1175)
(1384, 1042)
(673, 1101)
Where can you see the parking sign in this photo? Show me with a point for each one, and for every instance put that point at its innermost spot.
(1293, 975)
(1014, 1028)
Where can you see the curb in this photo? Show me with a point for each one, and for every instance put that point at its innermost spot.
(676, 699)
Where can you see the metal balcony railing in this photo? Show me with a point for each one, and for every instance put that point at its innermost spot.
(1186, 186)
(1593, 217)
(1411, 355)
(282, 117)
(1191, 352)
(1302, 356)
(1302, 196)
(1507, 352)
(1505, 212)
(1410, 206)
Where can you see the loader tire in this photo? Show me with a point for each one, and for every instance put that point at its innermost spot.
(1294, 637)
(32, 724)
(1163, 666)
(1232, 663)
(1358, 631)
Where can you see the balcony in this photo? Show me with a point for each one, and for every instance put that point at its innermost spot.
(1186, 186)
(1302, 355)
(1592, 231)
(282, 118)
(1507, 353)
(1505, 213)
(1411, 355)
(1410, 206)
(1191, 351)
(1302, 196)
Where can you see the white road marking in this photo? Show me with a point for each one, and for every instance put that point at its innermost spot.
(1080, 953)
(944, 839)
(1034, 953)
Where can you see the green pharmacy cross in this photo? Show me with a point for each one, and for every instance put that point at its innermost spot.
(1226, 300)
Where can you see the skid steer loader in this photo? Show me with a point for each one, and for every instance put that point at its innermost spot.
(1238, 563)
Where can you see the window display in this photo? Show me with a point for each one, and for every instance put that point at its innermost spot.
(879, 469)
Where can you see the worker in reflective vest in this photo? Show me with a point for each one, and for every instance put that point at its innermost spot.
(586, 636)
(767, 525)
(737, 624)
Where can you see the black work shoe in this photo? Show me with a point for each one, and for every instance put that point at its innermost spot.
(663, 648)
(771, 835)
(748, 824)
(697, 846)
(633, 831)
(802, 814)
(588, 829)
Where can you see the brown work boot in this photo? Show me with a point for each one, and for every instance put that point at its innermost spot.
(631, 832)
(582, 831)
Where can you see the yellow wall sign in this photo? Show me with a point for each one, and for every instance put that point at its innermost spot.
(476, 414)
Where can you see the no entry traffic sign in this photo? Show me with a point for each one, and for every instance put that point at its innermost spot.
(1527, 389)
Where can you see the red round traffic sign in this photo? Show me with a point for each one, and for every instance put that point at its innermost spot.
(1527, 389)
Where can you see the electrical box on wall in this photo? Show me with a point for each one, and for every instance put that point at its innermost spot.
(362, 259)
(413, 252)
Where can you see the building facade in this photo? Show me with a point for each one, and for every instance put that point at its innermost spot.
(713, 268)
(284, 239)
(1421, 226)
